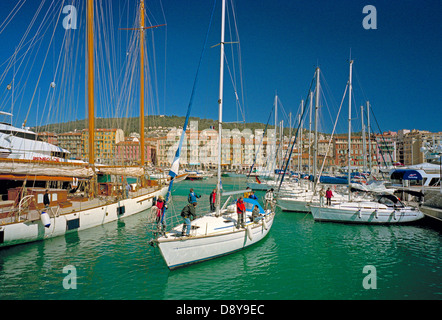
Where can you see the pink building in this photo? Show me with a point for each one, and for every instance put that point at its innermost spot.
(128, 152)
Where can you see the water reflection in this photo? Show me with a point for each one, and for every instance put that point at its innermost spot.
(299, 259)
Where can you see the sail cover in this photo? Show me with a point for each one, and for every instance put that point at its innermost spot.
(45, 169)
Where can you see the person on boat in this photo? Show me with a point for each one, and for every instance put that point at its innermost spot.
(247, 193)
(161, 205)
(328, 195)
(127, 190)
(255, 214)
(46, 201)
(240, 210)
(188, 210)
(253, 196)
(321, 196)
(269, 199)
(192, 196)
(212, 199)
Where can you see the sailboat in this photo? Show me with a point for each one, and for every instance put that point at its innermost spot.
(385, 209)
(215, 233)
(27, 219)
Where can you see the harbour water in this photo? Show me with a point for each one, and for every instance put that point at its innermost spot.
(299, 259)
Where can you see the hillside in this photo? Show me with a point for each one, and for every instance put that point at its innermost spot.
(129, 125)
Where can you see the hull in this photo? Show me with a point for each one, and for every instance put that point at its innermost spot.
(294, 205)
(184, 251)
(354, 213)
(29, 231)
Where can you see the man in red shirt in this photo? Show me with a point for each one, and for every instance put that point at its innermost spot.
(328, 195)
(240, 210)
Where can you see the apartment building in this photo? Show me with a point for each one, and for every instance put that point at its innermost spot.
(411, 143)
(71, 141)
(357, 154)
(106, 141)
(128, 152)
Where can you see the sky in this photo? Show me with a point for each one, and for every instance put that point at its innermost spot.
(397, 66)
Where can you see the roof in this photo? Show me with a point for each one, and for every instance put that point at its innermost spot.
(250, 204)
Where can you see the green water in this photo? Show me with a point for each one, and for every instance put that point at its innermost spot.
(299, 259)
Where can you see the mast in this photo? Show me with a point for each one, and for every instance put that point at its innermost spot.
(274, 138)
(315, 146)
(364, 145)
(310, 134)
(369, 136)
(142, 155)
(300, 142)
(220, 107)
(349, 129)
(90, 81)
(281, 144)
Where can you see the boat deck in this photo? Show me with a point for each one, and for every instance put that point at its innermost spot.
(8, 209)
(210, 225)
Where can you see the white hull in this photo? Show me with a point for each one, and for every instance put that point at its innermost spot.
(365, 212)
(29, 231)
(223, 239)
(294, 205)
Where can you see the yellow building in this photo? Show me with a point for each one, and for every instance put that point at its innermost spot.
(106, 141)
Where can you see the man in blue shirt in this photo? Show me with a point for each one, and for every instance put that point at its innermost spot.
(192, 196)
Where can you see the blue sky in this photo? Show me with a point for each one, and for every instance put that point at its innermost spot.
(397, 67)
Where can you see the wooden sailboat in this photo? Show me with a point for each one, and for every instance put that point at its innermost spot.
(215, 233)
(28, 220)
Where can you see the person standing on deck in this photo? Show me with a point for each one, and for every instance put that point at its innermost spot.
(247, 193)
(46, 201)
(240, 210)
(127, 190)
(321, 196)
(253, 196)
(212, 200)
(192, 196)
(269, 199)
(188, 211)
(328, 195)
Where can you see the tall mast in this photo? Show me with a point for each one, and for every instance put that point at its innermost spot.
(310, 134)
(90, 54)
(349, 129)
(315, 143)
(300, 141)
(364, 145)
(142, 160)
(369, 137)
(276, 125)
(220, 107)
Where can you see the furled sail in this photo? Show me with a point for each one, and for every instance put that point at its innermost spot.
(45, 169)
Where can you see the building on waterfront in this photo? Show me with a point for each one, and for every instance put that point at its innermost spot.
(106, 141)
(200, 148)
(128, 152)
(409, 144)
(386, 153)
(49, 137)
(72, 141)
(357, 155)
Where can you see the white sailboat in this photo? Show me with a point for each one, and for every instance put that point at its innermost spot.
(387, 209)
(215, 233)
